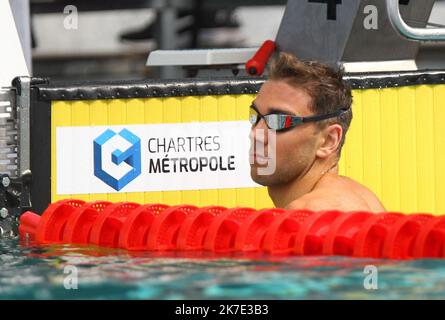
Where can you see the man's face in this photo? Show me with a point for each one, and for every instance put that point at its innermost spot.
(295, 149)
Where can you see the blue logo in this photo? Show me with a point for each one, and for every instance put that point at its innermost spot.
(131, 156)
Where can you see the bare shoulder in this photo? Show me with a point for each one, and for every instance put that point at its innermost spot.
(318, 200)
(357, 190)
(339, 193)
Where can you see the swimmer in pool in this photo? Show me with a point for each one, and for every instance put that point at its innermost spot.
(307, 106)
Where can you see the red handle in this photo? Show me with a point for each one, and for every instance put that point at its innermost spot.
(256, 65)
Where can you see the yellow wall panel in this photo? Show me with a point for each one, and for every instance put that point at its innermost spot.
(390, 195)
(154, 113)
(395, 144)
(407, 149)
(371, 127)
(98, 112)
(209, 112)
(191, 112)
(425, 148)
(353, 148)
(244, 196)
(135, 115)
(439, 146)
(60, 116)
(227, 112)
(117, 115)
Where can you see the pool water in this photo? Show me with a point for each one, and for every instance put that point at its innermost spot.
(37, 272)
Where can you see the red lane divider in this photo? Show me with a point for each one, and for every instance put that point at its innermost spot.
(134, 231)
(280, 237)
(165, 228)
(400, 239)
(430, 242)
(29, 222)
(132, 226)
(195, 226)
(51, 225)
(222, 232)
(80, 222)
(340, 238)
(105, 229)
(251, 233)
(369, 240)
(309, 240)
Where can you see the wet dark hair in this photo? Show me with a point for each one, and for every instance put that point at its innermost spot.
(321, 82)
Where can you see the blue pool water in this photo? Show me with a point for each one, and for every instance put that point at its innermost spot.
(38, 273)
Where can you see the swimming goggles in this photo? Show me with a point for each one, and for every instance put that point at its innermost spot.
(280, 122)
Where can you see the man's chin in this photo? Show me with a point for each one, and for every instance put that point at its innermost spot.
(264, 180)
(269, 180)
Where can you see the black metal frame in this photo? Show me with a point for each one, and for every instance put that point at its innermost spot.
(40, 152)
(199, 87)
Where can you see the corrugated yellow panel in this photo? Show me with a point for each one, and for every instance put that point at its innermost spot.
(227, 108)
(135, 115)
(60, 116)
(163, 110)
(191, 112)
(98, 113)
(154, 110)
(172, 110)
(244, 196)
(227, 112)
(209, 108)
(395, 144)
(154, 197)
(154, 113)
(439, 146)
(407, 149)
(342, 163)
(174, 198)
(209, 112)
(425, 148)
(117, 111)
(262, 199)
(352, 150)
(61, 113)
(191, 109)
(135, 111)
(80, 114)
(372, 147)
(98, 117)
(390, 151)
(117, 115)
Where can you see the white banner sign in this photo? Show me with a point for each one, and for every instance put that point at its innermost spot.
(153, 157)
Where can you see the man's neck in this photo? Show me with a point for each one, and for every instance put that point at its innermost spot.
(284, 194)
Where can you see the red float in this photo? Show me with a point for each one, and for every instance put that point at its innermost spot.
(158, 227)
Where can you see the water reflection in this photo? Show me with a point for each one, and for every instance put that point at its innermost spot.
(36, 272)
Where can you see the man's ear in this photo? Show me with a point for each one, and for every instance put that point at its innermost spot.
(331, 138)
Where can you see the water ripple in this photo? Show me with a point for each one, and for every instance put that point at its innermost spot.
(37, 272)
